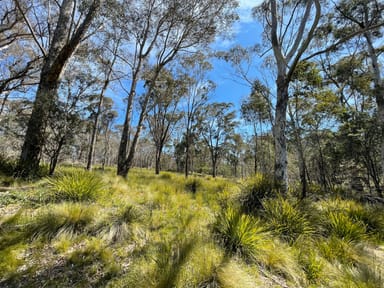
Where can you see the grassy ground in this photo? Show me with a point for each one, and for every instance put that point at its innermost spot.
(83, 229)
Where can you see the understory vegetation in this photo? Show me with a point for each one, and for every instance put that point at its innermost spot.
(93, 229)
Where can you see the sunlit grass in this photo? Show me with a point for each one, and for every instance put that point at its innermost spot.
(170, 231)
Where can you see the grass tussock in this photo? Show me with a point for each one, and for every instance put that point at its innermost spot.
(286, 220)
(76, 185)
(70, 218)
(118, 224)
(239, 233)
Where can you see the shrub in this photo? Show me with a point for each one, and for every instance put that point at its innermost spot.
(285, 220)
(312, 265)
(10, 260)
(239, 233)
(166, 175)
(255, 190)
(77, 185)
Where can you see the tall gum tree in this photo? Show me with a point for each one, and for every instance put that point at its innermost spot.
(289, 27)
(68, 34)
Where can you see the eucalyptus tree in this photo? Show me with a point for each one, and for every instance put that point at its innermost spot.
(217, 127)
(289, 26)
(198, 90)
(66, 117)
(67, 27)
(106, 60)
(163, 112)
(162, 30)
(256, 110)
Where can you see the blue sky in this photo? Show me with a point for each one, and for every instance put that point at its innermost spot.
(247, 32)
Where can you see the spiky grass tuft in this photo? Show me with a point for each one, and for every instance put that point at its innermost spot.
(239, 233)
(340, 225)
(285, 220)
(77, 185)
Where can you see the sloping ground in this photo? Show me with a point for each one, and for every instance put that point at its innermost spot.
(98, 230)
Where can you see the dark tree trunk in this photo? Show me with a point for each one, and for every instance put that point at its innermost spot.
(60, 51)
(281, 162)
(187, 154)
(35, 136)
(157, 160)
(55, 156)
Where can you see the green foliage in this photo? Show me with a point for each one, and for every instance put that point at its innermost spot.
(239, 233)
(68, 218)
(160, 237)
(166, 175)
(255, 190)
(371, 217)
(76, 185)
(170, 260)
(285, 220)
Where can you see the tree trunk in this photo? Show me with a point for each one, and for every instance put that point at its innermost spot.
(187, 156)
(379, 96)
(302, 171)
(157, 160)
(55, 157)
(281, 161)
(35, 135)
(122, 169)
(60, 51)
(96, 123)
(255, 151)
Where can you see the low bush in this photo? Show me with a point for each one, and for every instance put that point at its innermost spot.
(117, 226)
(7, 166)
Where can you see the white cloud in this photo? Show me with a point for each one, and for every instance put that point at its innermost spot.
(245, 9)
